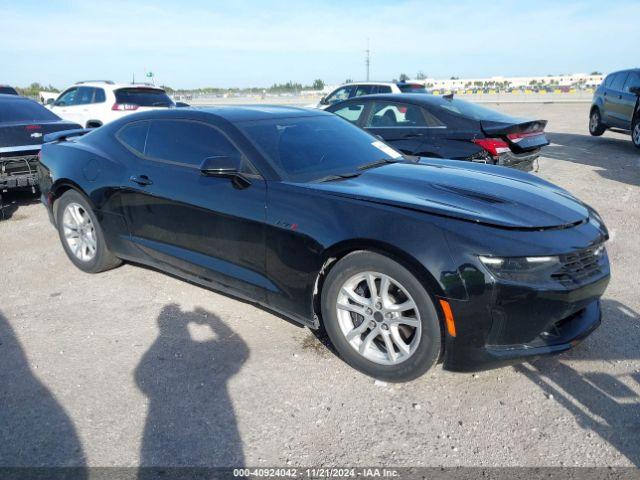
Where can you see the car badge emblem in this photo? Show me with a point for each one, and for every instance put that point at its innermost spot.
(36, 135)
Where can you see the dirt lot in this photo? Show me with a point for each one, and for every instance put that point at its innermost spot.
(133, 366)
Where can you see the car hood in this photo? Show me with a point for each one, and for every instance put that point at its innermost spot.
(484, 194)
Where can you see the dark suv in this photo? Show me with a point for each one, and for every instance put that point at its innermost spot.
(616, 106)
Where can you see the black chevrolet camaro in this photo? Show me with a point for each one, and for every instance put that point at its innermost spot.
(402, 263)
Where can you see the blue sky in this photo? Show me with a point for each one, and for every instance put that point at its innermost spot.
(256, 43)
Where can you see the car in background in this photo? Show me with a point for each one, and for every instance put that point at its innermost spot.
(403, 263)
(95, 103)
(7, 90)
(351, 90)
(23, 124)
(616, 105)
(446, 127)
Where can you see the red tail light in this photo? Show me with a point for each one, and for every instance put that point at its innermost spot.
(124, 107)
(31, 128)
(39, 154)
(495, 146)
(516, 137)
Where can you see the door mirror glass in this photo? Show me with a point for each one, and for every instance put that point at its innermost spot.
(635, 90)
(323, 101)
(50, 101)
(221, 166)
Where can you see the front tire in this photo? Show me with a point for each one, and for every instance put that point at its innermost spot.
(81, 235)
(635, 132)
(596, 128)
(380, 318)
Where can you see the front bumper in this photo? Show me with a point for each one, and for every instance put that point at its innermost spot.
(511, 324)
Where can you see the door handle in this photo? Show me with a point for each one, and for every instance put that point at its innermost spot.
(141, 180)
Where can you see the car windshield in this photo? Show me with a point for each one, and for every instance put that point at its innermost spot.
(20, 110)
(8, 90)
(471, 110)
(143, 97)
(306, 149)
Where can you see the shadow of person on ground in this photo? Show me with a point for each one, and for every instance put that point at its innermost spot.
(35, 431)
(605, 403)
(11, 201)
(616, 158)
(190, 420)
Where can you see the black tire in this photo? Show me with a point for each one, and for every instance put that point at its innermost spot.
(103, 259)
(426, 352)
(596, 128)
(635, 131)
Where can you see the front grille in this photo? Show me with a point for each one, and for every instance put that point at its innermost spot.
(578, 267)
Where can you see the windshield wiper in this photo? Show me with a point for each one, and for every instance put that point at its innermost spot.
(377, 163)
(342, 176)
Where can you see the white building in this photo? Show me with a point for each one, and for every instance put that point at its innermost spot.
(559, 80)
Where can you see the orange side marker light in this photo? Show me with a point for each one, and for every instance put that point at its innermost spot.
(448, 317)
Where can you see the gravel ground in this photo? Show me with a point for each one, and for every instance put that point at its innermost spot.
(135, 367)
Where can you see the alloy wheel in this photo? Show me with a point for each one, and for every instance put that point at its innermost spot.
(636, 133)
(79, 232)
(594, 121)
(379, 318)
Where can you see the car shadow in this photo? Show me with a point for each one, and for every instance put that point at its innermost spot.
(35, 430)
(606, 404)
(615, 158)
(190, 420)
(11, 201)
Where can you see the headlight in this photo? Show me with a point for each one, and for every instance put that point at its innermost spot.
(522, 269)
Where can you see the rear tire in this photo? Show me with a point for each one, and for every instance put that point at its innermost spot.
(596, 128)
(635, 132)
(81, 234)
(393, 334)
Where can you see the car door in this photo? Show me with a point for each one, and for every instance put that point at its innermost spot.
(613, 101)
(207, 227)
(628, 100)
(64, 105)
(402, 125)
(81, 107)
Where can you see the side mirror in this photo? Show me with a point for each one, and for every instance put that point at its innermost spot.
(220, 166)
(50, 101)
(635, 90)
(323, 101)
(182, 105)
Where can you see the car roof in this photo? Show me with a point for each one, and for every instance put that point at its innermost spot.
(413, 98)
(108, 85)
(625, 71)
(260, 112)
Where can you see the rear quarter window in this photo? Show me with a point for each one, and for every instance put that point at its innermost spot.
(134, 136)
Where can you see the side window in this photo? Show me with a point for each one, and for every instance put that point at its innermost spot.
(618, 81)
(608, 80)
(134, 136)
(633, 80)
(387, 114)
(339, 95)
(67, 98)
(363, 90)
(99, 96)
(384, 89)
(186, 142)
(84, 96)
(351, 112)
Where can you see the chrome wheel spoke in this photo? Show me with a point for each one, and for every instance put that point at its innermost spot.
(350, 307)
(397, 339)
(411, 321)
(368, 340)
(357, 331)
(371, 283)
(355, 297)
(391, 351)
(402, 307)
